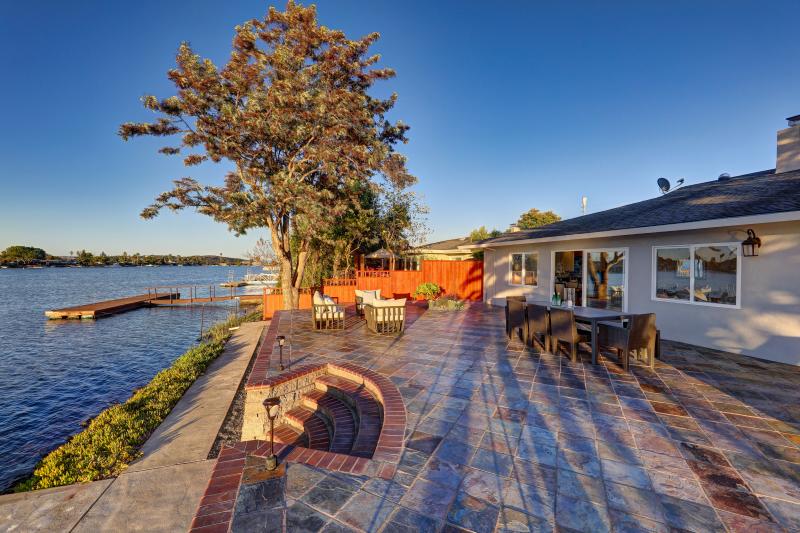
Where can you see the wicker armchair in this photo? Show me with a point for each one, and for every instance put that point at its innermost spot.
(640, 337)
(363, 298)
(326, 313)
(538, 326)
(386, 316)
(515, 316)
(563, 329)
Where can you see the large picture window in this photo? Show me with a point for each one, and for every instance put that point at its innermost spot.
(525, 269)
(700, 274)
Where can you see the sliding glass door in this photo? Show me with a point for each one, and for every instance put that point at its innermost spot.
(605, 279)
(599, 276)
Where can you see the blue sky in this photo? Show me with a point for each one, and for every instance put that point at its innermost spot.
(511, 105)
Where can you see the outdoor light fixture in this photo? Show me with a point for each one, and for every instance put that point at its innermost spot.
(281, 342)
(272, 405)
(751, 244)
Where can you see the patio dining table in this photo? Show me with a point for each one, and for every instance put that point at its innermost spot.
(590, 315)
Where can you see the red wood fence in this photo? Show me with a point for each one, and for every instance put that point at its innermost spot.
(461, 278)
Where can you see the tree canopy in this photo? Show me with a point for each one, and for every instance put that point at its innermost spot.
(23, 254)
(292, 114)
(535, 218)
(479, 234)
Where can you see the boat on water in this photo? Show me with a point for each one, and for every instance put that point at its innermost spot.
(267, 278)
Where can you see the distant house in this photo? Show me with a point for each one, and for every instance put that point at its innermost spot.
(680, 255)
(444, 250)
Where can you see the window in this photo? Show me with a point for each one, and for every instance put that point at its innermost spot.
(605, 279)
(700, 274)
(525, 269)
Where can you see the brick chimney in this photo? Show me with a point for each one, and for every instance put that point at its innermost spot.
(789, 146)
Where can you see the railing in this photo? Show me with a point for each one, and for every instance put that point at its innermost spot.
(194, 292)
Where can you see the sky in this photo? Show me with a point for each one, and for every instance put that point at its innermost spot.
(512, 105)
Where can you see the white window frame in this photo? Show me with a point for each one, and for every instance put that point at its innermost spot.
(692, 248)
(585, 261)
(511, 265)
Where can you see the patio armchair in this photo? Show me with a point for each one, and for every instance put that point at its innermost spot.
(326, 313)
(365, 297)
(386, 316)
(538, 326)
(564, 329)
(515, 316)
(640, 338)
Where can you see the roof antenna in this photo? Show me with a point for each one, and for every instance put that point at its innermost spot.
(584, 202)
(665, 186)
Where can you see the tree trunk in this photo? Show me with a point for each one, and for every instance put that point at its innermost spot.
(280, 243)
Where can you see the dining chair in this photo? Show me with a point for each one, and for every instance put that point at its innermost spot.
(538, 320)
(640, 337)
(563, 329)
(515, 315)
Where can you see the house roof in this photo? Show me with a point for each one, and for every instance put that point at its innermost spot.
(448, 245)
(758, 193)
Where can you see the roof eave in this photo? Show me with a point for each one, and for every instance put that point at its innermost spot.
(787, 216)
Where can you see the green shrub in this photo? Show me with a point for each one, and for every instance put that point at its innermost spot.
(113, 438)
(429, 291)
(448, 302)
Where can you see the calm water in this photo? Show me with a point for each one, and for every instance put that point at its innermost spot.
(56, 374)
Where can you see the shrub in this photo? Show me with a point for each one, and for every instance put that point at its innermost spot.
(448, 302)
(429, 291)
(113, 438)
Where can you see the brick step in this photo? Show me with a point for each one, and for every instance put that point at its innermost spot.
(340, 414)
(287, 434)
(311, 423)
(369, 412)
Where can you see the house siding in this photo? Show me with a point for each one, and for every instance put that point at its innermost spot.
(767, 324)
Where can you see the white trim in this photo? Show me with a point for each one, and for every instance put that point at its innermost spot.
(511, 262)
(584, 265)
(788, 216)
(691, 300)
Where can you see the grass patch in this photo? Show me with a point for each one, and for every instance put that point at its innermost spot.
(113, 438)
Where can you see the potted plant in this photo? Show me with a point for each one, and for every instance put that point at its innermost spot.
(428, 290)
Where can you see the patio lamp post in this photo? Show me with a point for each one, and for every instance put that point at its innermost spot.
(272, 406)
(751, 244)
(281, 342)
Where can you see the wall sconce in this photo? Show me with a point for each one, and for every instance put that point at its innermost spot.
(751, 244)
(272, 406)
(281, 342)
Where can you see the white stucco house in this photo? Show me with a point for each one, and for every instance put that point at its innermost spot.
(679, 255)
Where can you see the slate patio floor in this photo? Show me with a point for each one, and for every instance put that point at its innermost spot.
(501, 438)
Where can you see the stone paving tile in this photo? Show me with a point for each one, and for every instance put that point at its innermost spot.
(494, 427)
(303, 519)
(429, 498)
(581, 515)
(473, 514)
(512, 520)
(366, 511)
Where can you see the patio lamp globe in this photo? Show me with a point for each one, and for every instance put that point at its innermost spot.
(751, 244)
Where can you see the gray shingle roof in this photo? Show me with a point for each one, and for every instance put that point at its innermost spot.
(758, 193)
(450, 244)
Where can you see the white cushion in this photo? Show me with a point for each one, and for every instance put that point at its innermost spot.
(318, 298)
(328, 300)
(368, 296)
(389, 315)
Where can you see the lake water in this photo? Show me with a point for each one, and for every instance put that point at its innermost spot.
(56, 374)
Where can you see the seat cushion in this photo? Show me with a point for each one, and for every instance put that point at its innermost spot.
(317, 298)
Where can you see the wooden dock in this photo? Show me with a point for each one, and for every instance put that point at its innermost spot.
(152, 298)
(108, 307)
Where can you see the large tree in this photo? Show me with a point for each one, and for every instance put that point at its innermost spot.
(292, 114)
(23, 254)
(534, 218)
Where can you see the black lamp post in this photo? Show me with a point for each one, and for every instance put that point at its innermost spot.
(281, 342)
(751, 244)
(272, 406)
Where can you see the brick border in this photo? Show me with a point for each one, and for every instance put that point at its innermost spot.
(215, 511)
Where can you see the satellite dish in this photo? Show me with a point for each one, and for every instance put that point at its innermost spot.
(663, 184)
(679, 183)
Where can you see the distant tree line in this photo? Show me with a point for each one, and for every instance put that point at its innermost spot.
(28, 255)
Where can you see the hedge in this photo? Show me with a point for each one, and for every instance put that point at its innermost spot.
(112, 439)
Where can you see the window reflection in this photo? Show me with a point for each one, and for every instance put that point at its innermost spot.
(715, 274)
(673, 273)
(605, 279)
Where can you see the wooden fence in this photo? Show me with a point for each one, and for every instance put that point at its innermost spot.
(461, 278)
